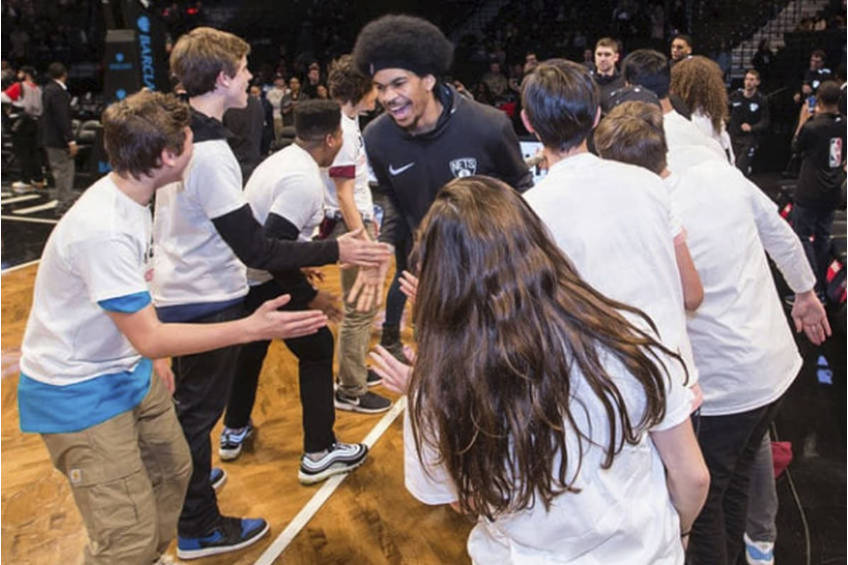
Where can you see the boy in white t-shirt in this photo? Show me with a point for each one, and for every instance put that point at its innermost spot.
(614, 221)
(744, 351)
(348, 205)
(286, 194)
(87, 381)
(205, 235)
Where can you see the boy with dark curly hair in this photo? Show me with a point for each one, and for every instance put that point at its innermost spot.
(428, 135)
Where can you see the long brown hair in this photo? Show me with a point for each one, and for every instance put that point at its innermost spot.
(504, 323)
(699, 82)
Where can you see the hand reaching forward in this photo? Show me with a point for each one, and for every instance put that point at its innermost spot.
(367, 290)
(409, 285)
(268, 323)
(354, 250)
(809, 316)
(395, 374)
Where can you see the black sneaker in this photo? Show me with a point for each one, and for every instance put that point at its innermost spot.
(340, 458)
(373, 379)
(368, 403)
(232, 441)
(230, 534)
(217, 478)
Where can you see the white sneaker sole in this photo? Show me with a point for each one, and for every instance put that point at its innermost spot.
(334, 469)
(207, 551)
(347, 407)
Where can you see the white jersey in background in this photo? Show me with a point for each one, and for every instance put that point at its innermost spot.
(350, 163)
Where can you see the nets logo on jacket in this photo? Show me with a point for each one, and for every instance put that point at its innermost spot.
(463, 167)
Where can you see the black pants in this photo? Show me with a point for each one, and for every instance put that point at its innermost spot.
(27, 150)
(729, 444)
(202, 385)
(315, 362)
(815, 223)
(395, 298)
(745, 148)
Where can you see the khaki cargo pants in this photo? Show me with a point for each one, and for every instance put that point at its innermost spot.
(128, 476)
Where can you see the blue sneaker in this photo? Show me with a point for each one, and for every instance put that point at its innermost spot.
(217, 477)
(758, 552)
(230, 534)
(232, 440)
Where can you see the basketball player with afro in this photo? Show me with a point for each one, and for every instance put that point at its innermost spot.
(428, 135)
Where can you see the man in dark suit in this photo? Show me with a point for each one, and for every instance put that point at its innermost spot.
(58, 136)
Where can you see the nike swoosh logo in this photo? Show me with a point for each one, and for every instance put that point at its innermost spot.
(395, 172)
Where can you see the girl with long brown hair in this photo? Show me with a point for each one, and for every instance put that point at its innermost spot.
(534, 404)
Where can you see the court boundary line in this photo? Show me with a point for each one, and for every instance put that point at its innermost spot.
(21, 266)
(25, 219)
(302, 518)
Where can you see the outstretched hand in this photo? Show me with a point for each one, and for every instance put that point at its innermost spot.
(367, 290)
(809, 316)
(409, 285)
(269, 323)
(395, 374)
(356, 250)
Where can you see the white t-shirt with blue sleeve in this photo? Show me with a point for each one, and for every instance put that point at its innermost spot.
(77, 368)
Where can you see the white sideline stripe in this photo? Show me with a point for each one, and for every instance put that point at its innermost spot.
(21, 266)
(22, 198)
(49, 206)
(33, 220)
(327, 489)
(5, 194)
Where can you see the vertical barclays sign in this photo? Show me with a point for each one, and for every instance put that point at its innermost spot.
(145, 45)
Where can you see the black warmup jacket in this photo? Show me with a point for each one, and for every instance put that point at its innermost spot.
(469, 139)
(753, 111)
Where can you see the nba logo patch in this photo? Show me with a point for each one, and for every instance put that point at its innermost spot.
(834, 159)
(463, 167)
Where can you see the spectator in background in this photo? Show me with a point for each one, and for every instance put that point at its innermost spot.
(681, 48)
(815, 74)
(25, 98)
(247, 126)
(606, 73)
(313, 80)
(275, 97)
(496, 82)
(290, 100)
(322, 92)
(699, 83)
(589, 59)
(762, 59)
(820, 141)
(57, 134)
(749, 120)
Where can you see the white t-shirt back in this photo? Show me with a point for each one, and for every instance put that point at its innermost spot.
(192, 263)
(680, 132)
(351, 162)
(603, 523)
(743, 347)
(69, 337)
(615, 224)
(289, 184)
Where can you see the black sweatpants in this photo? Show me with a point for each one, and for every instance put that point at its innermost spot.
(315, 358)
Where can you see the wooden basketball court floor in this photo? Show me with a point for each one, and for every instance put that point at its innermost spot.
(369, 518)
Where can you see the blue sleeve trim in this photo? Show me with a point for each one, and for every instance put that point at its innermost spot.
(126, 304)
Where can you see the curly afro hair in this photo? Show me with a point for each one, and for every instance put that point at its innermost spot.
(402, 42)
